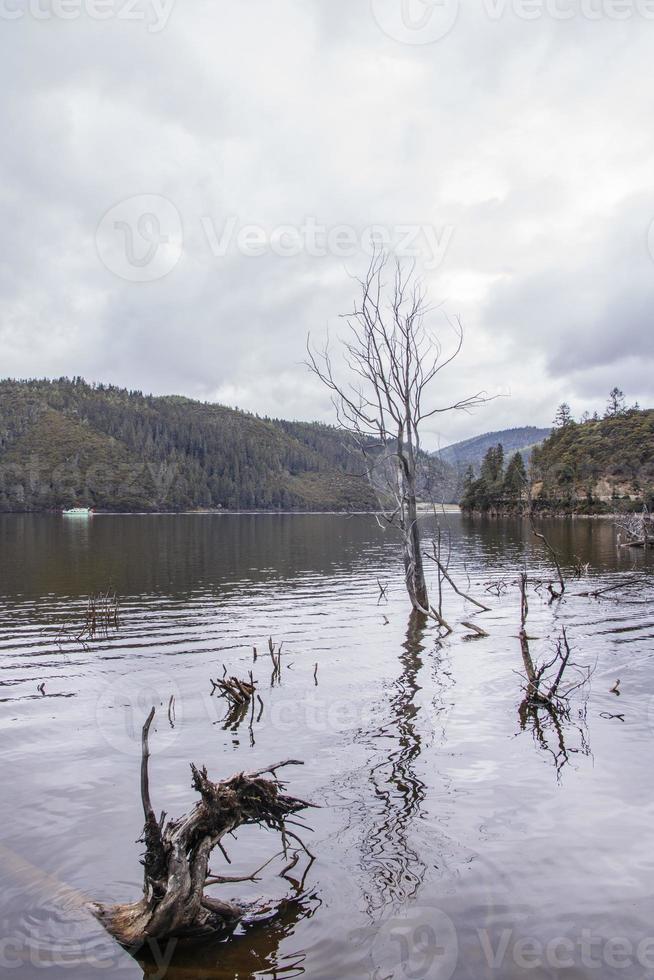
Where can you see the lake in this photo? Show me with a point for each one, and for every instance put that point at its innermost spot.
(449, 841)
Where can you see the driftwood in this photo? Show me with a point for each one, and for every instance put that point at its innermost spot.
(237, 692)
(174, 904)
(638, 530)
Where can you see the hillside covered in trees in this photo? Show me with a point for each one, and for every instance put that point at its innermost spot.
(597, 466)
(594, 466)
(66, 443)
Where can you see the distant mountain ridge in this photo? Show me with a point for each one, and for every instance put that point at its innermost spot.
(470, 452)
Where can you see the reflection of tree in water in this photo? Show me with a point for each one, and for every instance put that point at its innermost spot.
(254, 953)
(556, 732)
(393, 867)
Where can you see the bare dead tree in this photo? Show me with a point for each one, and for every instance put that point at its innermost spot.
(392, 360)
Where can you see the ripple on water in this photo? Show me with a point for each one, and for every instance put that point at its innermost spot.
(435, 801)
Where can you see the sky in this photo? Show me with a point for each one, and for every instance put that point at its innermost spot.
(190, 187)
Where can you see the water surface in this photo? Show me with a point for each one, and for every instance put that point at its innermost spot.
(449, 843)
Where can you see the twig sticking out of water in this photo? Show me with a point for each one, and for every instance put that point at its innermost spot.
(555, 558)
(276, 657)
(543, 688)
(100, 618)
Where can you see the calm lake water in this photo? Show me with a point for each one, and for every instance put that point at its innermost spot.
(449, 843)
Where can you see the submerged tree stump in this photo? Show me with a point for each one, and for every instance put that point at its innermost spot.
(176, 861)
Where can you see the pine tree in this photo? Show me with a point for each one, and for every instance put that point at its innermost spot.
(616, 405)
(515, 479)
(563, 416)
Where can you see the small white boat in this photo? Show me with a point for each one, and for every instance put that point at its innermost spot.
(79, 512)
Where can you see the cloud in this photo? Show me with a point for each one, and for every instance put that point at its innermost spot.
(524, 146)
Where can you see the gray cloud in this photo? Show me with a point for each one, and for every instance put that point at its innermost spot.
(529, 140)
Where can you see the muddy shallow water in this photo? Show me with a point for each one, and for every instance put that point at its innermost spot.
(449, 842)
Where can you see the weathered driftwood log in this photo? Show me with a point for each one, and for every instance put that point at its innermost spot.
(176, 862)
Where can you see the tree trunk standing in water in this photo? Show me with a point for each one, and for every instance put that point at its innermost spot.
(390, 359)
(413, 564)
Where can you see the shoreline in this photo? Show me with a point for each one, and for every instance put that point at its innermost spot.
(424, 510)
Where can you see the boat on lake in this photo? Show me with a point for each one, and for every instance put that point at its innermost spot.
(78, 512)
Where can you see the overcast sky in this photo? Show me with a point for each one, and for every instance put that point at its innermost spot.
(170, 173)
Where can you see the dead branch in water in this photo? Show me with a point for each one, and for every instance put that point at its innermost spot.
(276, 657)
(235, 691)
(627, 583)
(555, 558)
(100, 619)
(546, 706)
(476, 632)
(444, 574)
(176, 861)
(543, 687)
(638, 530)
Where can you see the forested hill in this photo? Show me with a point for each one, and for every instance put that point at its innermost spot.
(471, 452)
(597, 465)
(65, 443)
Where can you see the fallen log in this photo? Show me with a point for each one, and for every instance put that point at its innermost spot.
(176, 862)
